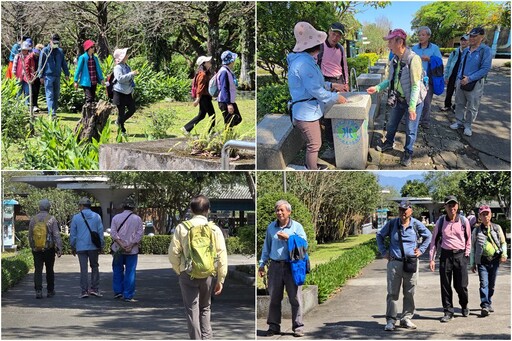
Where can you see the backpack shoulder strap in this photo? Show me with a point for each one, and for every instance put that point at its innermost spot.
(188, 225)
(320, 55)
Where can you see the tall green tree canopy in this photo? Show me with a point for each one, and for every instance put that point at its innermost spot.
(415, 188)
(488, 186)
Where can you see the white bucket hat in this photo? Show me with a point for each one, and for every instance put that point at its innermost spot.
(119, 55)
(306, 36)
(203, 59)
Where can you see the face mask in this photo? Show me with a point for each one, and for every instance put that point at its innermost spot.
(55, 45)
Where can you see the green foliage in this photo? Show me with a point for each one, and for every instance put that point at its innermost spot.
(272, 99)
(15, 115)
(374, 32)
(160, 121)
(507, 64)
(264, 80)
(445, 51)
(504, 223)
(372, 57)
(414, 188)
(210, 144)
(156, 245)
(56, 147)
(22, 239)
(64, 203)
(178, 67)
(243, 242)
(478, 186)
(333, 275)
(15, 268)
(361, 64)
(266, 215)
(71, 99)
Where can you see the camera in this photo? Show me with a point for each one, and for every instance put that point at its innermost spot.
(392, 98)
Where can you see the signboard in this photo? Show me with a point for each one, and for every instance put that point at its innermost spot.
(8, 223)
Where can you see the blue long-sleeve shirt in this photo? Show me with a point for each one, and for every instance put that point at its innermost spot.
(52, 63)
(409, 238)
(431, 50)
(275, 248)
(478, 63)
(80, 237)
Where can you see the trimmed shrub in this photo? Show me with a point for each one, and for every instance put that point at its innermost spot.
(156, 245)
(333, 275)
(272, 99)
(15, 268)
(446, 50)
(372, 57)
(505, 225)
(360, 64)
(266, 215)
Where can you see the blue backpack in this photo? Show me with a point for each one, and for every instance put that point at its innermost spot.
(299, 259)
(436, 74)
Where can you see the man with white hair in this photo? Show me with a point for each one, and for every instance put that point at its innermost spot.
(44, 239)
(425, 49)
(275, 250)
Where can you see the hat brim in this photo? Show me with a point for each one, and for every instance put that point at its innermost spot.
(338, 30)
(482, 211)
(452, 200)
(302, 47)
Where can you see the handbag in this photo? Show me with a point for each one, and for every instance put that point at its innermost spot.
(410, 263)
(95, 237)
(119, 229)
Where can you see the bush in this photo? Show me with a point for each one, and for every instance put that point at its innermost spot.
(272, 99)
(15, 115)
(178, 67)
(300, 213)
(264, 80)
(15, 268)
(446, 50)
(505, 225)
(56, 147)
(155, 245)
(507, 64)
(159, 122)
(372, 57)
(360, 64)
(333, 275)
(243, 243)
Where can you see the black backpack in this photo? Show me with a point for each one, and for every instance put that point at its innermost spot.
(109, 85)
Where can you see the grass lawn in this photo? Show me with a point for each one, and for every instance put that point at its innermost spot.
(139, 125)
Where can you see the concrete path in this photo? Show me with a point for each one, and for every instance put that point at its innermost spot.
(358, 310)
(441, 148)
(158, 314)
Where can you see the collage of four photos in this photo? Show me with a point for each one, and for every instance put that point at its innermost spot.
(242, 170)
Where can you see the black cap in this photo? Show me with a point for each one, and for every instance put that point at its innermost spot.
(338, 27)
(405, 204)
(129, 203)
(55, 37)
(477, 31)
(450, 198)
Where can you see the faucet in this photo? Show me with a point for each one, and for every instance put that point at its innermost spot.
(353, 72)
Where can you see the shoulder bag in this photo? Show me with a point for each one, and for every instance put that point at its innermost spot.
(95, 237)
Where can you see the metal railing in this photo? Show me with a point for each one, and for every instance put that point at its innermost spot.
(233, 144)
(353, 81)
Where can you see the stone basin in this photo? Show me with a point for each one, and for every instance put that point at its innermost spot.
(357, 107)
(368, 79)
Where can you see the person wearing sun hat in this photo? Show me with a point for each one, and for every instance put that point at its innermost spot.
(403, 233)
(227, 84)
(123, 88)
(312, 96)
(202, 96)
(19, 70)
(476, 62)
(88, 72)
(488, 250)
(452, 237)
(405, 96)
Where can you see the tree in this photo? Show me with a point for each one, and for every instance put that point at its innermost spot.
(480, 186)
(415, 188)
(374, 32)
(450, 19)
(442, 184)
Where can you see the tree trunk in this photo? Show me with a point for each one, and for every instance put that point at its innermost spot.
(213, 12)
(102, 44)
(94, 118)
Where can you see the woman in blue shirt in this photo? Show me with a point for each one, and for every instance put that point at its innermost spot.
(311, 95)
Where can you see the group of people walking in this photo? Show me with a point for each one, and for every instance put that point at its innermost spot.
(127, 229)
(45, 64)
(480, 247)
(410, 84)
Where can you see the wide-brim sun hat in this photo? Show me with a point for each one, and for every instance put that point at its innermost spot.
(306, 36)
(26, 46)
(203, 59)
(119, 54)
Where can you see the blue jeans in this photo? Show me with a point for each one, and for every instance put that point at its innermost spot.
(91, 257)
(24, 91)
(123, 268)
(411, 127)
(487, 273)
(52, 90)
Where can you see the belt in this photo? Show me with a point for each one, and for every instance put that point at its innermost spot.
(452, 251)
(397, 259)
(279, 261)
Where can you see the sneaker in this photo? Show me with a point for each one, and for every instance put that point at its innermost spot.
(50, 293)
(389, 326)
(185, 131)
(84, 294)
(447, 318)
(407, 323)
(484, 312)
(468, 132)
(271, 332)
(131, 300)
(35, 109)
(39, 294)
(406, 159)
(116, 296)
(455, 126)
(465, 312)
(298, 333)
(95, 293)
(491, 309)
(385, 147)
(446, 109)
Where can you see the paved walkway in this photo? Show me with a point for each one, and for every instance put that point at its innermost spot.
(158, 314)
(358, 310)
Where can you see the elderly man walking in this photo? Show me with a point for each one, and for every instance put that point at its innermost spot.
(45, 242)
(475, 65)
(451, 70)
(405, 233)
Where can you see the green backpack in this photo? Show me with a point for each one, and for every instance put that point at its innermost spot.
(40, 234)
(202, 254)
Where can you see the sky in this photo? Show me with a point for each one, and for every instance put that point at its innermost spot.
(399, 13)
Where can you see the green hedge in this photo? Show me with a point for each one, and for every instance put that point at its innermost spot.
(505, 225)
(372, 57)
(446, 50)
(272, 99)
(333, 275)
(15, 268)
